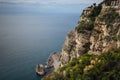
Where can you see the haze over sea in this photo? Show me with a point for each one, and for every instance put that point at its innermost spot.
(28, 35)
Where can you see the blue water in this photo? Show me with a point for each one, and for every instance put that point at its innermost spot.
(26, 40)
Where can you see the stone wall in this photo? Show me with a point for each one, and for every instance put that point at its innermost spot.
(112, 3)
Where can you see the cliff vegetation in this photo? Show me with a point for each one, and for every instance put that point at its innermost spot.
(92, 50)
(90, 67)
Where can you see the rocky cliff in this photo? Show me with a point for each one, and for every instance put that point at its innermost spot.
(98, 31)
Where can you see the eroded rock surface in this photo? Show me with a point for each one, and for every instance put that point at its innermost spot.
(54, 60)
(98, 31)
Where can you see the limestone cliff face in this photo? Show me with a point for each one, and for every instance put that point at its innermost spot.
(98, 31)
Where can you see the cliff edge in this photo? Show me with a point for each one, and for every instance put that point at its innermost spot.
(97, 32)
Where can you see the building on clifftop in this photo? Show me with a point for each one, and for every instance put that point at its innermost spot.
(111, 3)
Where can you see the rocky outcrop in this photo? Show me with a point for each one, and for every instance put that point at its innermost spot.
(40, 70)
(98, 31)
(112, 3)
(54, 60)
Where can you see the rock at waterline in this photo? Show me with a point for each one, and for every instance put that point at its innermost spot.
(54, 60)
(40, 70)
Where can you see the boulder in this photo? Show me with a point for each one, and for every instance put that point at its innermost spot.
(40, 70)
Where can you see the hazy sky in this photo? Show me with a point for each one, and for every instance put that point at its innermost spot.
(73, 6)
(53, 1)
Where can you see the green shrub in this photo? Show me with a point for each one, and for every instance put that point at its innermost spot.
(96, 11)
(106, 67)
(85, 26)
(82, 26)
(108, 16)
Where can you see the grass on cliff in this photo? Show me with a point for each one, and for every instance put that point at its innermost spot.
(108, 16)
(90, 67)
(89, 25)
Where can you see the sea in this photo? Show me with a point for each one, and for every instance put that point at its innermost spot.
(27, 40)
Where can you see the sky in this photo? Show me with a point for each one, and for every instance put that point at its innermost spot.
(44, 6)
(52, 1)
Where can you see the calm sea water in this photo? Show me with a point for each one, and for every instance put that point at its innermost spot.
(26, 40)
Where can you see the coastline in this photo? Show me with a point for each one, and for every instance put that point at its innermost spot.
(52, 63)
